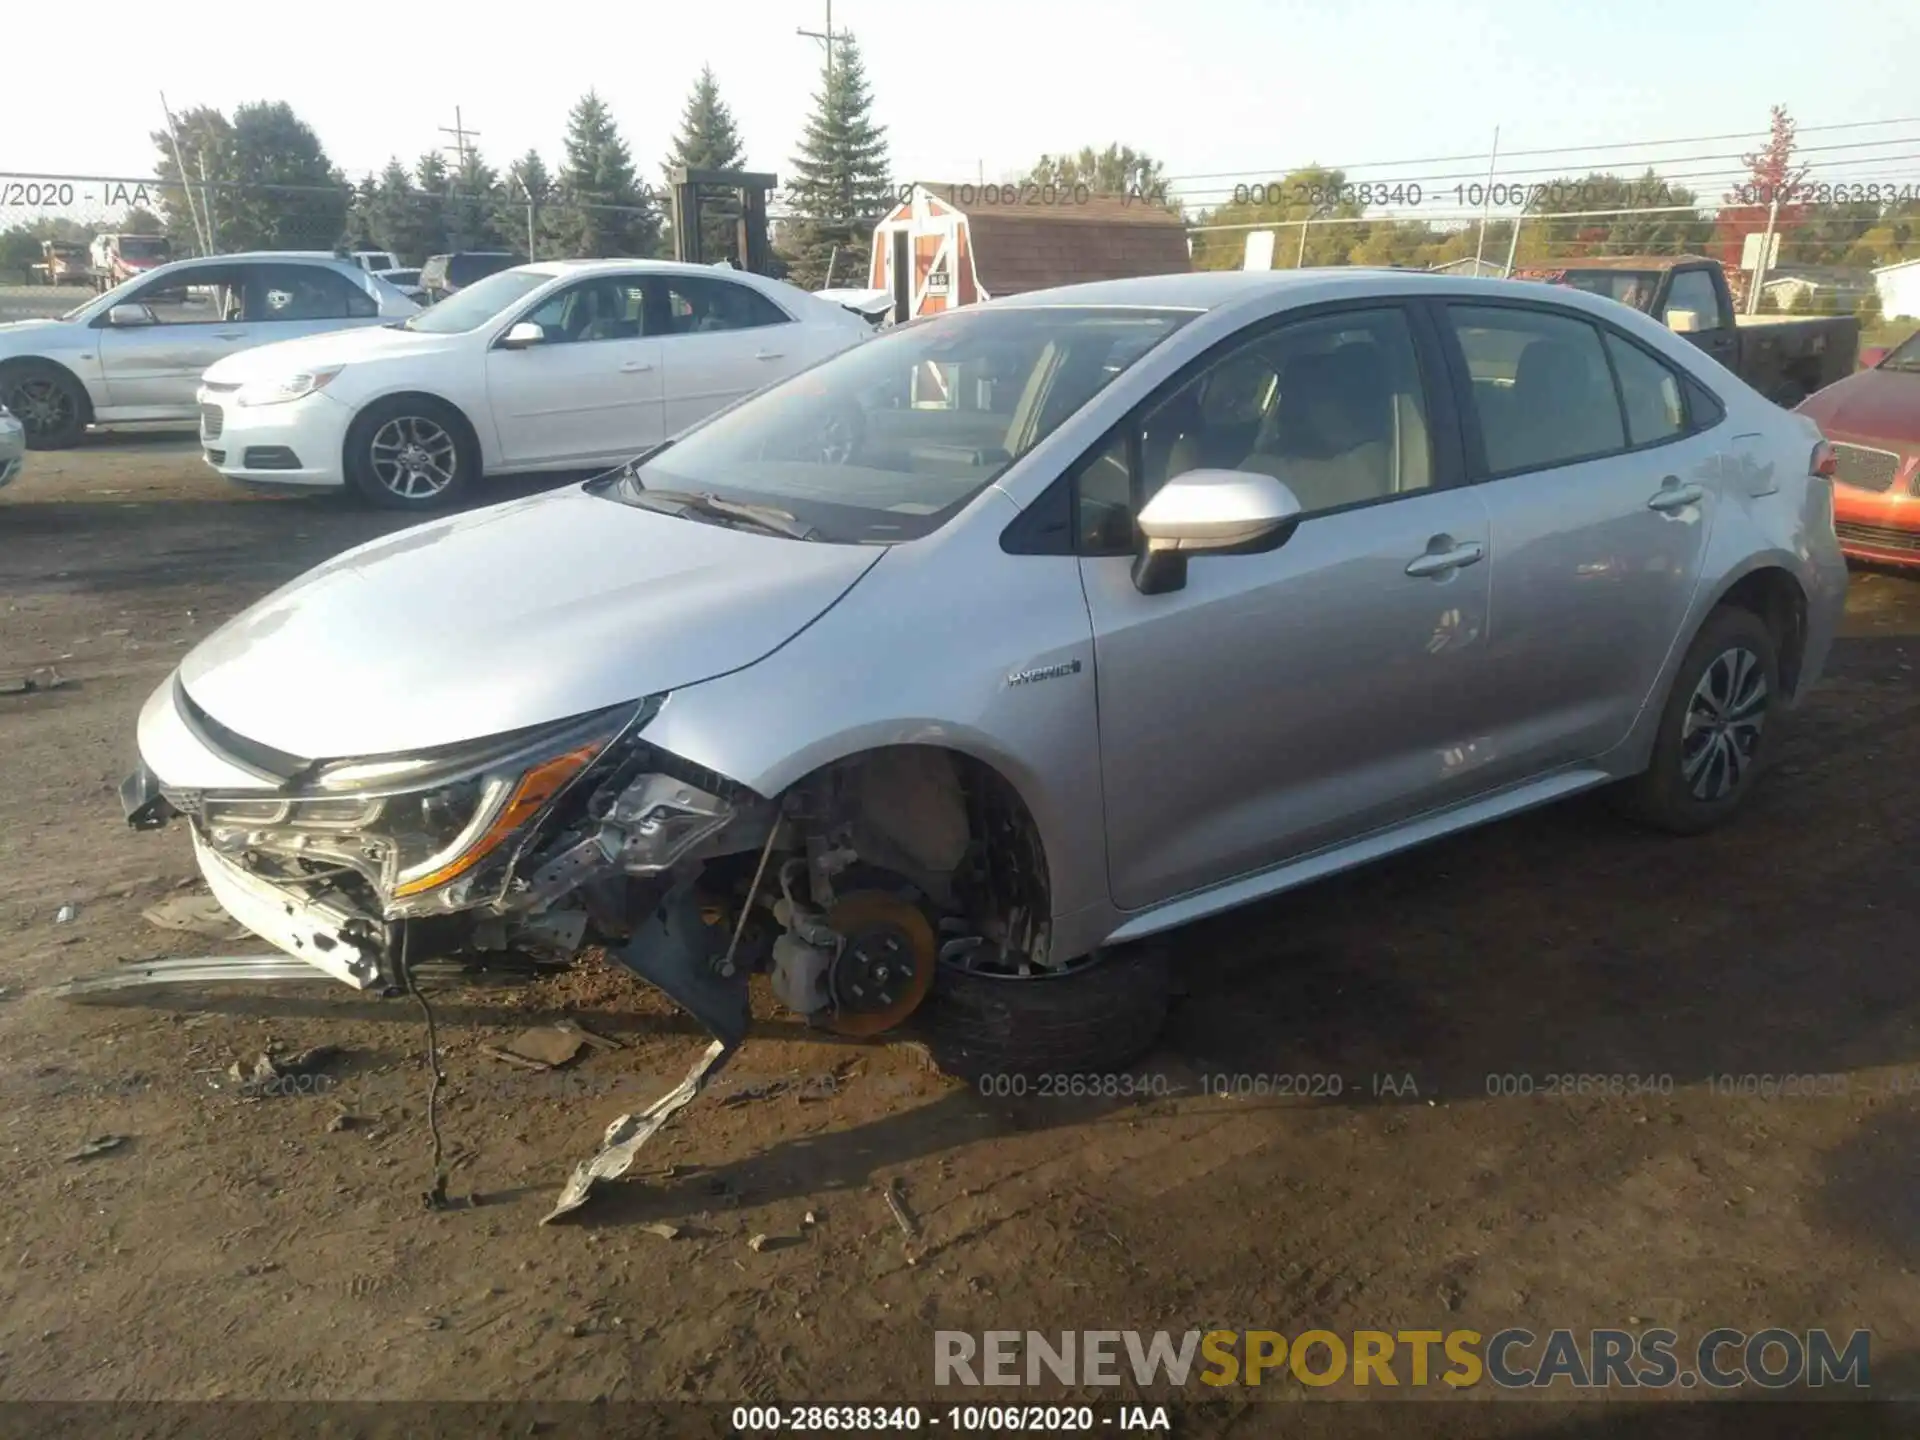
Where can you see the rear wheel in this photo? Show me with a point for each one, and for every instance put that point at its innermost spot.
(1713, 730)
(49, 402)
(411, 453)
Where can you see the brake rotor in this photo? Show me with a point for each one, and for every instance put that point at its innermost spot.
(886, 965)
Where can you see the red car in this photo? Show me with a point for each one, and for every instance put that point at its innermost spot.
(1872, 419)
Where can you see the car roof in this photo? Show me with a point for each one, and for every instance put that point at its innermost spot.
(1209, 290)
(627, 267)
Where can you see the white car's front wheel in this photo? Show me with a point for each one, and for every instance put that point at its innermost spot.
(411, 453)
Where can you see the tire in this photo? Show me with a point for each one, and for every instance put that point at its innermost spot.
(1091, 1021)
(411, 453)
(1686, 790)
(48, 401)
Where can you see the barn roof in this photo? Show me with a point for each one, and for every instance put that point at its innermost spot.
(1018, 248)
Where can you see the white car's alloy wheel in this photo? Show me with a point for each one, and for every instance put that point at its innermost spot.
(413, 457)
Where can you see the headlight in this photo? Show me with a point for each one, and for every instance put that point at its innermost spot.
(283, 388)
(419, 822)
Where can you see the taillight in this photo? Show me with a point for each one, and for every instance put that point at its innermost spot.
(1824, 462)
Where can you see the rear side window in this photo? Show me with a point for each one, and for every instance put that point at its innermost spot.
(698, 305)
(305, 292)
(1649, 391)
(1542, 389)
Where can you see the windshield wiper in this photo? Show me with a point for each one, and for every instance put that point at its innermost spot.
(767, 518)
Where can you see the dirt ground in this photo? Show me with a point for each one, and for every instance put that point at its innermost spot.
(235, 1248)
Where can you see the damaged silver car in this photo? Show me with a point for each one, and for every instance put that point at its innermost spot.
(926, 680)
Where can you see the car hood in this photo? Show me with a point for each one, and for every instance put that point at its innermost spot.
(1876, 405)
(336, 347)
(511, 616)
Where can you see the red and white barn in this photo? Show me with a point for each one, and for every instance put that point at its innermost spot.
(950, 245)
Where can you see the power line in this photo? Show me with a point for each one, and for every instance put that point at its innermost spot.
(1552, 150)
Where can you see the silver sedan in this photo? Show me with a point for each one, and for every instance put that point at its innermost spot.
(928, 679)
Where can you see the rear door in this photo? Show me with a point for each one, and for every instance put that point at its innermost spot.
(1283, 701)
(1601, 481)
(721, 340)
(591, 391)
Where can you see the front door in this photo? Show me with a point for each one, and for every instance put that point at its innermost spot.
(1602, 497)
(198, 316)
(591, 391)
(1281, 702)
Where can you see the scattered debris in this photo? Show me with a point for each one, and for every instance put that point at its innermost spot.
(195, 914)
(549, 1046)
(663, 1230)
(65, 913)
(897, 1202)
(809, 1219)
(286, 1075)
(759, 1243)
(33, 684)
(508, 1057)
(98, 1145)
(599, 1042)
(345, 1120)
(627, 1134)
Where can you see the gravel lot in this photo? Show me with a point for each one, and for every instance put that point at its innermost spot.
(254, 1250)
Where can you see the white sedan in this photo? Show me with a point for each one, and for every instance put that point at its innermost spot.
(560, 365)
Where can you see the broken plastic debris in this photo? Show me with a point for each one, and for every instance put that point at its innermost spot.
(65, 913)
(99, 1145)
(195, 914)
(627, 1134)
(896, 1202)
(548, 1045)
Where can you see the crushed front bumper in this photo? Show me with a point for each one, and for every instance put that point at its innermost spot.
(327, 936)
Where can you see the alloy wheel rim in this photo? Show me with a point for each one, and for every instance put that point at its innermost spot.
(413, 457)
(42, 406)
(1721, 732)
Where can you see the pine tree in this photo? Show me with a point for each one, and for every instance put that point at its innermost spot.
(430, 208)
(395, 215)
(841, 175)
(709, 140)
(527, 185)
(604, 211)
(472, 205)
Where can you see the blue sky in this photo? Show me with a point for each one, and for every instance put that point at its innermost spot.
(984, 87)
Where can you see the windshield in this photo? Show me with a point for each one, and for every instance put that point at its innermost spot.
(886, 441)
(1904, 356)
(143, 247)
(474, 306)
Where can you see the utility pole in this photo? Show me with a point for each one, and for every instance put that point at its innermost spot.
(825, 37)
(1486, 201)
(186, 187)
(1766, 253)
(460, 135)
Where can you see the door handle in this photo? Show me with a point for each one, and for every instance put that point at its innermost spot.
(1672, 495)
(634, 367)
(769, 355)
(1442, 562)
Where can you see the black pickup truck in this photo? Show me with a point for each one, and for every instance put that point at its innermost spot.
(1784, 357)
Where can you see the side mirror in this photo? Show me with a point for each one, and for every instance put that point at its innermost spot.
(1872, 356)
(1683, 322)
(129, 317)
(1210, 510)
(523, 336)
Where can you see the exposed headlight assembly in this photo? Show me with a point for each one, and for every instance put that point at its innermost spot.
(282, 388)
(417, 824)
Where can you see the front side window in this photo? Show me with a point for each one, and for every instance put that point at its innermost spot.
(1541, 387)
(305, 292)
(1331, 406)
(604, 309)
(851, 449)
(697, 305)
(1649, 391)
(204, 295)
(1693, 290)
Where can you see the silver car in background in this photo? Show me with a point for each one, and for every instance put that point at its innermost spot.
(929, 679)
(137, 352)
(13, 446)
